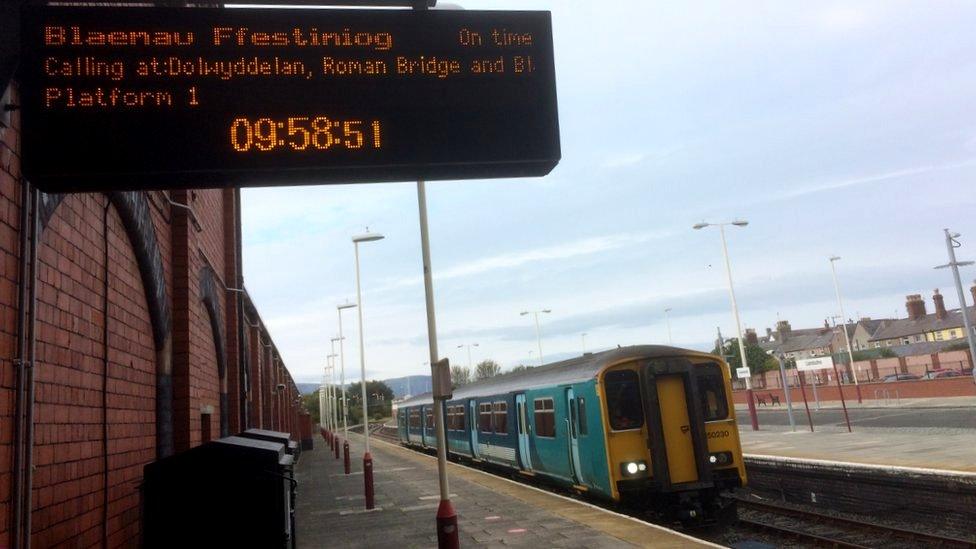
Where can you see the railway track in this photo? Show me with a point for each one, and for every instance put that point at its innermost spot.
(780, 523)
(832, 531)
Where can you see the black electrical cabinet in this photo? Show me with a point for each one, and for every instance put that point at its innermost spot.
(234, 491)
(291, 446)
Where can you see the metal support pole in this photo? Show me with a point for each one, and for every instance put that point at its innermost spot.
(847, 337)
(816, 397)
(842, 403)
(447, 527)
(806, 405)
(786, 391)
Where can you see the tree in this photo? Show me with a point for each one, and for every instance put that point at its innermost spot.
(486, 369)
(379, 401)
(311, 404)
(759, 361)
(519, 368)
(460, 375)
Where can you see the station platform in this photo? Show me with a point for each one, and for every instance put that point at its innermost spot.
(492, 511)
(946, 450)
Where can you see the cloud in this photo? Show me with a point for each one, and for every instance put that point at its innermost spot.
(511, 260)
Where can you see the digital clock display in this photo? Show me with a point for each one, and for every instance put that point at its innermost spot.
(132, 98)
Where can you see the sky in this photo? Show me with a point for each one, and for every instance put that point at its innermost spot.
(834, 128)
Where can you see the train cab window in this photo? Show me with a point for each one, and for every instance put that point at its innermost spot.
(500, 416)
(582, 414)
(545, 418)
(484, 417)
(711, 393)
(624, 400)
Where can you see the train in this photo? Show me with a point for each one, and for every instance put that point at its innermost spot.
(646, 426)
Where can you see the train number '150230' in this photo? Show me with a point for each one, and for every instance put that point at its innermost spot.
(718, 434)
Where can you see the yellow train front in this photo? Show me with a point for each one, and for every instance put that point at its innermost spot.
(672, 433)
(650, 426)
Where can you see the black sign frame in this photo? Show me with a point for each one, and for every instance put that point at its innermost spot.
(462, 125)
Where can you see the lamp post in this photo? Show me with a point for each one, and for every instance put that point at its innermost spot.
(468, 345)
(951, 245)
(583, 341)
(843, 321)
(667, 320)
(367, 458)
(342, 382)
(538, 334)
(735, 312)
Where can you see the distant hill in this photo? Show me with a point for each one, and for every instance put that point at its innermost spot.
(307, 388)
(410, 385)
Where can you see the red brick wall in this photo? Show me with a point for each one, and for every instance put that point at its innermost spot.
(71, 476)
(929, 388)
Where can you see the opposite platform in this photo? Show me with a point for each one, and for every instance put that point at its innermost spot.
(492, 511)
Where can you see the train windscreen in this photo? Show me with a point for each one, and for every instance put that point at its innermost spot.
(624, 400)
(711, 392)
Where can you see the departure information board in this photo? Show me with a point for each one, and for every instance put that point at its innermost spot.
(137, 97)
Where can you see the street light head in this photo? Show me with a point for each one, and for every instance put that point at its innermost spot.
(345, 306)
(834, 258)
(547, 310)
(474, 345)
(459, 347)
(740, 222)
(701, 225)
(523, 313)
(367, 237)
(667, 310)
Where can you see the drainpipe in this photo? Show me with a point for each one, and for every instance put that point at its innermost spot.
(108, 205)
(20, 363)
(244, 378)
(32, 345)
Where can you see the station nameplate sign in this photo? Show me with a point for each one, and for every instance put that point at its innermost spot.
(138, 97)
(814, 364)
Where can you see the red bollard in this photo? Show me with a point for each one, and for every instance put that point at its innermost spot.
(368, 479)
(345, 451)
(447, 526)
(337, 448)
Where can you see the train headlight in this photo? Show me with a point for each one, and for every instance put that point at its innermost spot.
(720, 458)
(633, 468)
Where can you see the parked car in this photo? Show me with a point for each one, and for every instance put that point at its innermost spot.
(899, 377)
(938, 374)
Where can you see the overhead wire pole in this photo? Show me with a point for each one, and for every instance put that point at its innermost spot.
(345, 400)
(538, 332)
(951, 245)
(843, 321)
(667, 319)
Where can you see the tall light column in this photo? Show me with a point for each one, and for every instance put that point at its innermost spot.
(367, 458)
(342, 382)
(667, 320)
(735, 312)
(951, 245)
(468, 345)
(340, 389)
(538, 334)
(843, 321)
(583, 341)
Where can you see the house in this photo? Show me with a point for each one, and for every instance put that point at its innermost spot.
(798, 344)
(921, 326)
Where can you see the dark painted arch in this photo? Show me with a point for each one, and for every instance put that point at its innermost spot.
(210, 295)
(133, 210)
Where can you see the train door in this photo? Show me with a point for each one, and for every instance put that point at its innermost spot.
(674, 422)
(522, 424)
(473, 427)
(572, 435)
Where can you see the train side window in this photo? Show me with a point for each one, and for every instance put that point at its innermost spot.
(501, 417)
(545, 418)
(711, 392)
(484, 417)
(429, 417)
(414, 419)
(582, 415)
(624, 400)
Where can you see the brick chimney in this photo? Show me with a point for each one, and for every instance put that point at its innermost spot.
(783, 330)
(769, 332)
(939, 301)
(915, 306)
(751, 337)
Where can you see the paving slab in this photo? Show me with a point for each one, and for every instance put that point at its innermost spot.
(492, 511)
